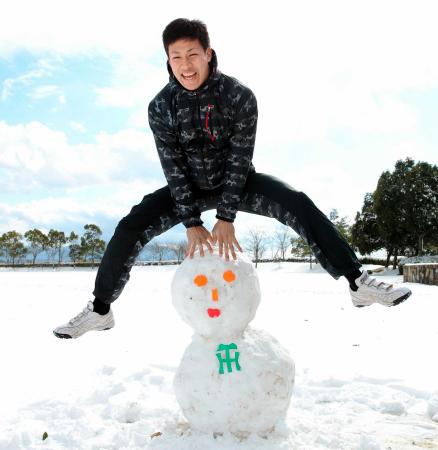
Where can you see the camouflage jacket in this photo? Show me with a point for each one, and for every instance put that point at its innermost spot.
(205, 140)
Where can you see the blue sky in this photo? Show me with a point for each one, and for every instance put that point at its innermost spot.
(345, 89)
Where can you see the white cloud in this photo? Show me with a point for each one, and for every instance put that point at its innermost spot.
(77, 126)
(80, 26)
(44, 91)
(44, 68)
(9, 220)
(384, 114)
(70, 210)
(24, 80)
(129, 93)
(34, 155)
(134, 83)
(118, 97)
(7, 87)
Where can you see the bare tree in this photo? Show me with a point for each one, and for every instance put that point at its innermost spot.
(273, 247)
(179, 249)
(282, 239)
(157, 250)
(256, 242)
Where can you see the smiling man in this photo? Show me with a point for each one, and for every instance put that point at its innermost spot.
(189, 63)
(204, 124)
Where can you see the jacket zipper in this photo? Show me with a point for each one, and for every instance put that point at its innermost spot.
(207, 116)
(202, 149)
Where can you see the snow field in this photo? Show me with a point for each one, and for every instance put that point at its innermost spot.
(366, 379)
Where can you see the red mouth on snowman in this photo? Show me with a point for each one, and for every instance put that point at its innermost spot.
(212, 312)
(201, 280)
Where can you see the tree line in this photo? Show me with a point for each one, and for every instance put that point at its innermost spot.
(89, 247)
(400, 217)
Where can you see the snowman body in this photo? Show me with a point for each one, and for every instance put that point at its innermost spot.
(232, 378)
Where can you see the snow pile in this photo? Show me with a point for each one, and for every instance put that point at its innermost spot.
(419, 260)
(433, 408)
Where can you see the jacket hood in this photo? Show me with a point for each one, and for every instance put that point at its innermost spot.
(212, 78)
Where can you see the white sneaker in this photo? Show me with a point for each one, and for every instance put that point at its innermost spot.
(372, 291)
(86, 320)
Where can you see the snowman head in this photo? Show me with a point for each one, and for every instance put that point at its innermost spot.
(217, 298)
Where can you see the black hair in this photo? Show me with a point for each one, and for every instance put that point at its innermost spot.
(185, 29)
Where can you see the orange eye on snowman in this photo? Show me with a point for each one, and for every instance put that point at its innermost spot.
(201, 280)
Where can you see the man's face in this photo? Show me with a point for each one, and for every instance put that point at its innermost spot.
(189, 62)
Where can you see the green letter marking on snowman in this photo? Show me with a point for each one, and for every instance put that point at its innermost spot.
(228, 360)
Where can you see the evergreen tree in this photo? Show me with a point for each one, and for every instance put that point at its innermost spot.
(406, 208)
(57, 240)
(13, 247)
(301, 249)
(423, 206)
(75, 252)
(73, 237)
(391, 206)
(91, 244)
(341, 224)
(2, 246)
(74, 248)
(38, 242)
(365, 235)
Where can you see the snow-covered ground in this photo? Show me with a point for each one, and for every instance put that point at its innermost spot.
(366, 378)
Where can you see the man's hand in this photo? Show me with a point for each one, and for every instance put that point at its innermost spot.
(198, 237)
(223, 234)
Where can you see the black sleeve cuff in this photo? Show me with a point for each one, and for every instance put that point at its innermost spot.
(225, 219)
(195, 222)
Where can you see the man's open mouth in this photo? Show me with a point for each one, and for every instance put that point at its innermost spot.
(212, 312)
(189, 76)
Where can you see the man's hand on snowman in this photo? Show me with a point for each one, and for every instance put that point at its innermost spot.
(197, 237)
(223, 235)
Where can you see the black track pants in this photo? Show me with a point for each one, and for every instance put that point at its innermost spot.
(263, 194)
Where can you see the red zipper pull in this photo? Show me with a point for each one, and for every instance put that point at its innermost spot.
(209, 108)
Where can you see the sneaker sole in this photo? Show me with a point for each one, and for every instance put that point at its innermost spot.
(402, 299)
(67, 336)
(396, 302)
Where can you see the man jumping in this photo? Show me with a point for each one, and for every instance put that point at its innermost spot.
(204, 124)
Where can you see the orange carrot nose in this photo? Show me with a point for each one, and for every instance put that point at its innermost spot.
(214, 295)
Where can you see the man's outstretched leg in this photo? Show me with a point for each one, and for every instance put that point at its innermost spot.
(154, 215)
(269, 196)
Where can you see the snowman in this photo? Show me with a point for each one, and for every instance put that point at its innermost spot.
(232, 378)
